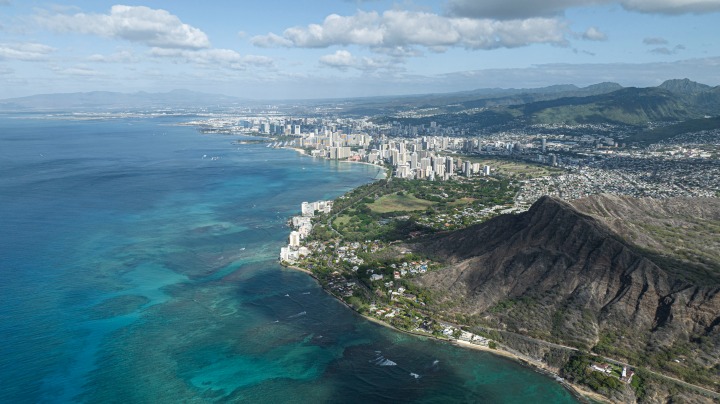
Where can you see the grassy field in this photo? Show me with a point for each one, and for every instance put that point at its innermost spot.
(399, 203)
(342, 220)
(511, 168)
(463, 201)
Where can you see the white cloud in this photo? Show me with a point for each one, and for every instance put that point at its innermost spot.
(594, 34)
(364, 28)
(258, 60)
(29, 52)
(81, 71)
(270, 40)
(152, 27)
(399, 29)
(123, 56)
(399, 52)
(340, 59)
(344, 60)
(513, 9)
(213, 57)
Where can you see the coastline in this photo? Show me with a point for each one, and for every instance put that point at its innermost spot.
(302, 152)
(297, 149)
(579, 392)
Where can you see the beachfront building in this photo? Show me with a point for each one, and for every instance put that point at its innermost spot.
(302, 226)
(294, 239)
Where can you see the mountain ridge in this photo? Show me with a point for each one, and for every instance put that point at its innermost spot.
(560, 275)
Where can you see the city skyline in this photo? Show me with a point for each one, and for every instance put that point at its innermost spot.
(335, 49)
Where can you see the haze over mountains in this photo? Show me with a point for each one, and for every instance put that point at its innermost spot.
(673, 100)
(106, 100)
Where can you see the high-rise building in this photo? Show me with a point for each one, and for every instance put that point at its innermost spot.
(343, 152)
(294, 239)
(439, 167)
(307, 209)
(413, 161)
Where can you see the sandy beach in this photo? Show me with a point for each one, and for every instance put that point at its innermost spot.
(302, 151)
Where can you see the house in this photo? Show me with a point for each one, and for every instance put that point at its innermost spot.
(602, 367)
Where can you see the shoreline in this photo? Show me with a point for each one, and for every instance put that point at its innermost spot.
(302, 152)
(580, 392)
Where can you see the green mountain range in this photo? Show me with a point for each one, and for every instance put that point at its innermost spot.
(605, 103)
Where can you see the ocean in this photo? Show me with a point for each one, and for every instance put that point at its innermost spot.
(138, 264)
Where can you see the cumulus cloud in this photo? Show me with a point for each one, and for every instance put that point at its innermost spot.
(344, 60)
(594, 34)
(513, 9)
(400, 29)
(29, 52)
(152, 27)
(655, 41)
(341, 59)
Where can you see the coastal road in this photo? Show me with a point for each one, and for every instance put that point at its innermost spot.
(710, 393)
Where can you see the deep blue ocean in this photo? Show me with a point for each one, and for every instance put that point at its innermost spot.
(133, 270)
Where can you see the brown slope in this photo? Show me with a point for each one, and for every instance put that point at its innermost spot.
(680, 234)
(555, 273)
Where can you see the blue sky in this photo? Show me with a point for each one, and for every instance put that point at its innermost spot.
(343, 48)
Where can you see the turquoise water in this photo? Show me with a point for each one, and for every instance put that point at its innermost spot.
(132, 269)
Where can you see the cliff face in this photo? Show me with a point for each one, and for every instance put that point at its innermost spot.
(561, 275)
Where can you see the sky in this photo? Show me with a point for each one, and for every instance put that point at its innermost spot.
(280, 49)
